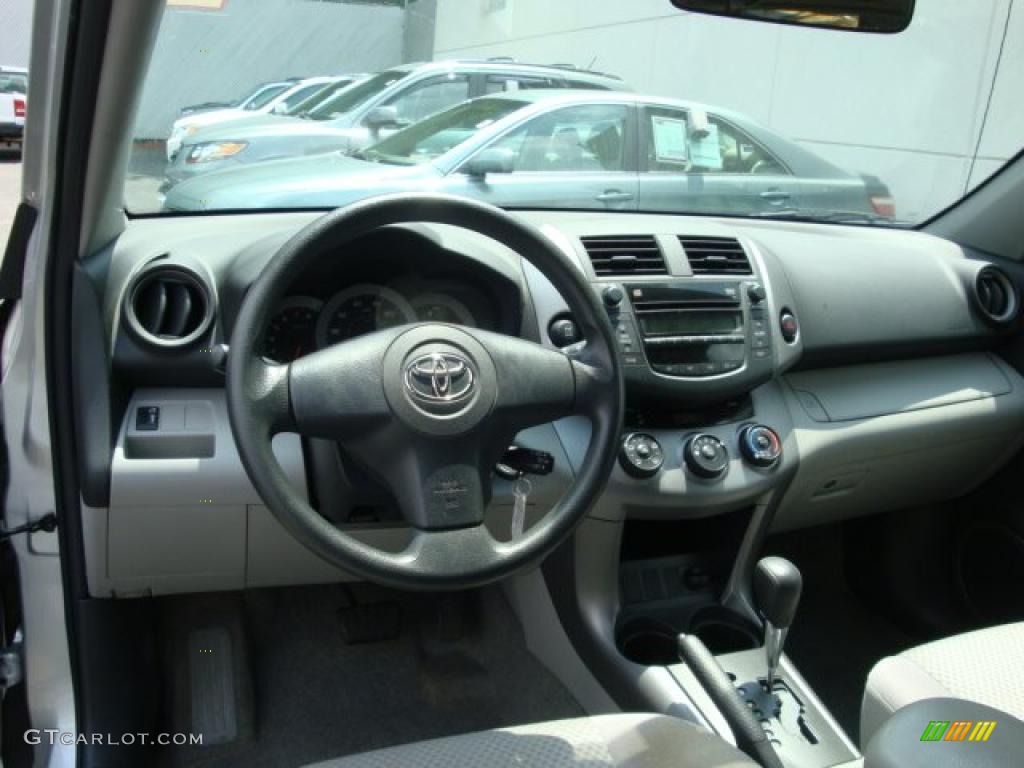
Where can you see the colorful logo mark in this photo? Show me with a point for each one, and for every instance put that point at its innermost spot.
(958, 730)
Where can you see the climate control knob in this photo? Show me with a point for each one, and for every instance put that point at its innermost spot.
(706, 456)
(760, 445)
(641, 455)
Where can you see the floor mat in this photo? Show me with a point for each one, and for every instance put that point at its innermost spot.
(836, 638)
(317, 697)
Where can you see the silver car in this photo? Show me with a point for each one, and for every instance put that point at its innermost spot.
(559, 149)
(370, 110)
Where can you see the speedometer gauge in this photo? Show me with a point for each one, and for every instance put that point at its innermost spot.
(438, 308)
(291, 332)
(362, 309)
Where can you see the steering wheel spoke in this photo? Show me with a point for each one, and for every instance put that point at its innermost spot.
(338, 392)
(438, 485)
(267, 389)
(535, 385)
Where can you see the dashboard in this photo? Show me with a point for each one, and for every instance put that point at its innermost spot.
(816, 370)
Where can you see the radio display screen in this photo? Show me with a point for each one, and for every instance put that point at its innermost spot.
(690, 323)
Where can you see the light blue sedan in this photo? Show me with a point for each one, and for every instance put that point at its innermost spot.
(562, 149)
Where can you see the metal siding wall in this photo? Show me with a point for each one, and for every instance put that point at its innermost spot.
(220, 55)
(15, 32)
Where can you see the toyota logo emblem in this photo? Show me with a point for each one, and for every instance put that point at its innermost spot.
(439, 377)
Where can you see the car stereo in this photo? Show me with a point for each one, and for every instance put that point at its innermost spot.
(692, 330)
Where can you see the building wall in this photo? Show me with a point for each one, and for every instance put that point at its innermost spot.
(879, 112)
(222, 53)
(15, 32)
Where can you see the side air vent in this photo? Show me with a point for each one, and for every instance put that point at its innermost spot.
(168, 306)
(996, 295)
(715, 255)
(625, 255)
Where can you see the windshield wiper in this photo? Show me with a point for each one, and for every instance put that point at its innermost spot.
(832, 217)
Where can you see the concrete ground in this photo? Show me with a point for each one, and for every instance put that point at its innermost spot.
(10, 193)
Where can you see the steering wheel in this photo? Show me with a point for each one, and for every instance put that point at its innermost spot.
(427, 408)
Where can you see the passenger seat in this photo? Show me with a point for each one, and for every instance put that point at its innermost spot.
(986, 666)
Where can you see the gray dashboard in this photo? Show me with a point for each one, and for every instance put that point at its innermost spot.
(889, 373)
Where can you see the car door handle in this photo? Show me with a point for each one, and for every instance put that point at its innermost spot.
(614, 196)
(775, 196)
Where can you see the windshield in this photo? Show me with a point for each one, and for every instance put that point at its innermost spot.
(436, 135)
(354, 95)
(634, 105)
(264, 96)
(13, 82)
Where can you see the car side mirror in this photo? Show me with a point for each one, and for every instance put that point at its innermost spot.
(492, 160)
(382, 117)
(279, 109)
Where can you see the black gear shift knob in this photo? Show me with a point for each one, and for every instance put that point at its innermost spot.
(777, 587)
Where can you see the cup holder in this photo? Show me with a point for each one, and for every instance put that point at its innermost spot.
(722, 631)
(649, 642)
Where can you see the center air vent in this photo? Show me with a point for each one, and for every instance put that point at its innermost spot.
(625, 255)
(715, 255)
(168, 306)
(996, 295)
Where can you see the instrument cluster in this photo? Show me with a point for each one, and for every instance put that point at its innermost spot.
(304, 324)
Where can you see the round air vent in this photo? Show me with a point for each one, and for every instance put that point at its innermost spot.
(996, 294)
(169, 306)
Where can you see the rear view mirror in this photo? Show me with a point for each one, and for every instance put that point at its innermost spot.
(382, 117)
(492, 160)
(280, 109)
(881, 16)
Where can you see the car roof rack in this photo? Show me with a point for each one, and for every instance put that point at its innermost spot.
(561, 65)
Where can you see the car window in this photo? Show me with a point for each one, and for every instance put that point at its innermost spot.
(740, 153)
(13, 82)
(678, 142)
(426, 98)
(502, 83)
(581, 138)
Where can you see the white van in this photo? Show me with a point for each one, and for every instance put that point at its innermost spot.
(13, 105)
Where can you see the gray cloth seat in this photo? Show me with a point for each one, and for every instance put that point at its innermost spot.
(604, 741)
(986, 666)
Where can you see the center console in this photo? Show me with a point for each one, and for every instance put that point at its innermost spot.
(704, 326)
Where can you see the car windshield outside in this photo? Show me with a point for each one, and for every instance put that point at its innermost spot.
(264, 96)
(13, 82)
(353, 95)
(433, 136)
(634, 106)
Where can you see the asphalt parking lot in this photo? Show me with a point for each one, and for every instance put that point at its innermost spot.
(10, 193)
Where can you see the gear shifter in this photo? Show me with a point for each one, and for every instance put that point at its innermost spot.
(777, 587)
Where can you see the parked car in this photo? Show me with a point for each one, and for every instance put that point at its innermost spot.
(293, 94)
(560, 149)
(256, 98)
(13, 106)
(372, 109)
(290, 108)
